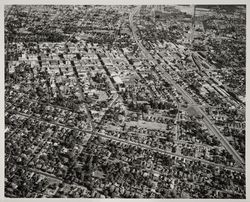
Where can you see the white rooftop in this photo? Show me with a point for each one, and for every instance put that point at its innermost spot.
(117, 79)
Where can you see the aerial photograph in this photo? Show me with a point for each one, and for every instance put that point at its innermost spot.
(125, 101)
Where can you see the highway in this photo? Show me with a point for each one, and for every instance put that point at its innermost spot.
(206, 119)
(144, 51)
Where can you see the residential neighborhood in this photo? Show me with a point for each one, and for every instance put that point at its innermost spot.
(125, 101)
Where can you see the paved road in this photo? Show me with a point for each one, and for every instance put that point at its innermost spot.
(19, 126)
(7, 14)
(169, 153)
(48, 175)
(148, 55)
(134, 30)
(207, 121)
(49, 122)
(116, 96)
(84, 104)
(230, 99)
(138, 144)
